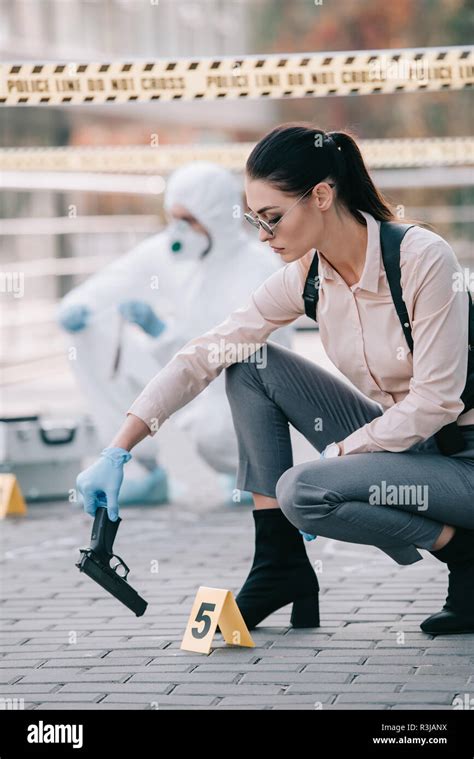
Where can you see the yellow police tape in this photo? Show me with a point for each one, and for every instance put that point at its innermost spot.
(378, 154)
(250, 76)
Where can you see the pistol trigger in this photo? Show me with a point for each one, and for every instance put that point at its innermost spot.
(120, 563)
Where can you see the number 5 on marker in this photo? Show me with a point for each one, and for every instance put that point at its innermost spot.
(213, 606)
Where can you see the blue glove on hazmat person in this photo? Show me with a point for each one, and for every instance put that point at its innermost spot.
(73, 317)
(141, 313)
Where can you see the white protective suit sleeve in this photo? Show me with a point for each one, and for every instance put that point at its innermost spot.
(146, 273)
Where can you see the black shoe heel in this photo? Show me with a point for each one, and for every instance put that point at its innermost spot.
(457, 615)
(305, 612)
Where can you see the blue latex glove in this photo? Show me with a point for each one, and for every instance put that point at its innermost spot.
(141, 313)
(307, 535)
(74, 317)
(102, 481)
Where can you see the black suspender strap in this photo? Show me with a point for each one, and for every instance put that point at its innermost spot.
(311, 288)
(468, 394)
(449, 438)
(391, 236)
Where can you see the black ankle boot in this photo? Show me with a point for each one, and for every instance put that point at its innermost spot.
(281, 573)
(457, 614)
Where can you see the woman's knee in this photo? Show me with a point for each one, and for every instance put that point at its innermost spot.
(296, 495)
(233, 374)
(285, 491)
(241, 371)
(260, 365)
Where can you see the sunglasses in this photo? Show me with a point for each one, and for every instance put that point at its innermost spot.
(268, 228)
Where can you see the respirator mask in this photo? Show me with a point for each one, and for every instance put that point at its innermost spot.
(185, 242)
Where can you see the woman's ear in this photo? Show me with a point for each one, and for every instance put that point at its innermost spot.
(322, 195)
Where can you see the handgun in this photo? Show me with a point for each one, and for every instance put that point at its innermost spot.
(95, 562)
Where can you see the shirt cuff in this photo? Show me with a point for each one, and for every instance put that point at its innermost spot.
(146, 410)
(359, 442)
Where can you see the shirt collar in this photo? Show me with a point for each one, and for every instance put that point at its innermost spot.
(370, 275)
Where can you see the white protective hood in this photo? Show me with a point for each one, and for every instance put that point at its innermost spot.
(213, 196)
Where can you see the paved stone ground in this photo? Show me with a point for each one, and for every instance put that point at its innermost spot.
(66, 644)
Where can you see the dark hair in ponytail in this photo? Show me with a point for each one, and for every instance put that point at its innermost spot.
(295, 156)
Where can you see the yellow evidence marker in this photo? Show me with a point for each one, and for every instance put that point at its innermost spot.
(11, 498)
(213, 606)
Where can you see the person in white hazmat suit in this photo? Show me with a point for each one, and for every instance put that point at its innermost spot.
(169, 289)
(113, 325)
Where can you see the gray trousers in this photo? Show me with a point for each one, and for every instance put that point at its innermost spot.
(394, 501)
